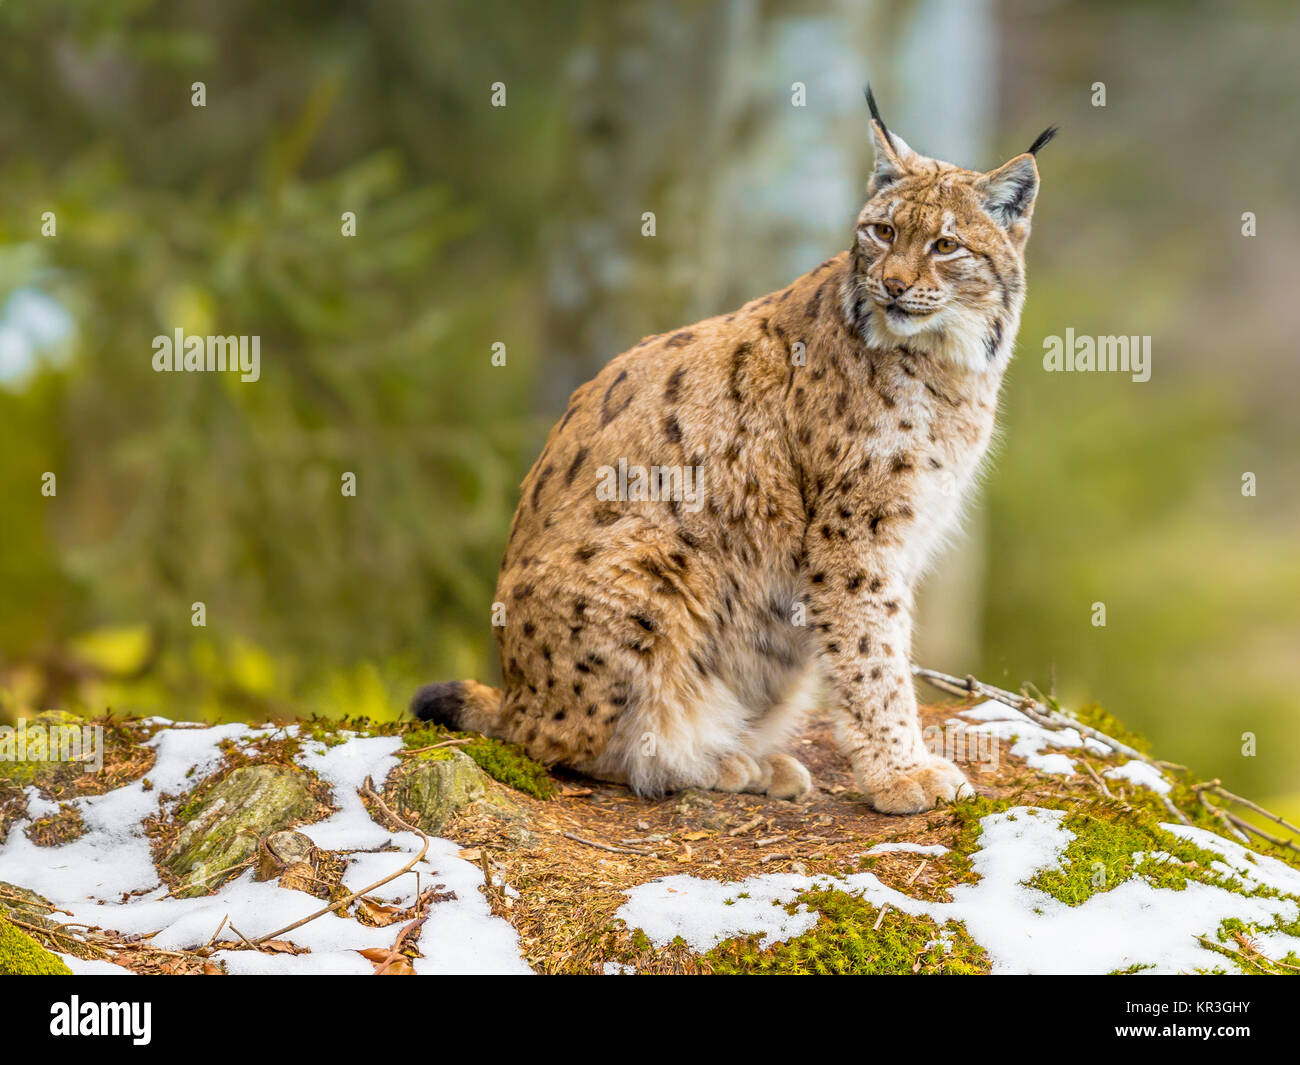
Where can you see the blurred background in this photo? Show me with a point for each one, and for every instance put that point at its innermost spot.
(128, 212)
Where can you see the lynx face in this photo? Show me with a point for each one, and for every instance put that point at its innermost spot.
(939, 253)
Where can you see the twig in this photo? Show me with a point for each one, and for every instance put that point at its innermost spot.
(1031, 708)
(1251, 957)
(368, 791)
(251, 945)
(1219, 789)
(1223, 818)
(1050, 718)
(435, 746)
(883, 909)
(217, 932)
(917, 872)
(407, 928)
(605, 846)
(1101, 784)
(1169, 805)
(1246, 826)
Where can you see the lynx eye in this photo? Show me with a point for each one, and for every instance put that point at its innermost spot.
(946, 245)
(883, 232)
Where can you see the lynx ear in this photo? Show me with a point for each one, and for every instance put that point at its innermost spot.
(1008, 192)
(892, 153)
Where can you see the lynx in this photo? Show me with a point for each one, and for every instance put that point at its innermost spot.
(836, 426)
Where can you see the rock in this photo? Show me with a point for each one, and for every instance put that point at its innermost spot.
(291, 847)
(430, 789)
(41, 767)
(26, 905)
(223, 827)
(284, 851)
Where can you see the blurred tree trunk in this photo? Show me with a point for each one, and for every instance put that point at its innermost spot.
(945, 108)
(635, 87)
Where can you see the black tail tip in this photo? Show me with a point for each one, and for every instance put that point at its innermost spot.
(440, 703)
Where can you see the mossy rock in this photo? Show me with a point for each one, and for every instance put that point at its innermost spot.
(23, 904)
(433, 787)
(21, 955)
(43, 770)
(506, 763)
(221, 828)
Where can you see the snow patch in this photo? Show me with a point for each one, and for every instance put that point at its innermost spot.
(1029, 739)
(107, 878)
(1141, 774)
(1023, 929)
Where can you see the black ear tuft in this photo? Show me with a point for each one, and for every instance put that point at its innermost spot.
(875, 114)
(1043, 138)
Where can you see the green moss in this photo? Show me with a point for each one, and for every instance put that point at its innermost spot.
(441, 754)
(21, 955)
(1236, 940)
(508, 763)
(503, 762)
(1102, 854)
(846, 941)
(326, 732)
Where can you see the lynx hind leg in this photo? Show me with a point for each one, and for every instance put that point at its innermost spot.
(740, 772)
(786, 777)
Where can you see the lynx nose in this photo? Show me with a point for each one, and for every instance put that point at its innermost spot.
(895, 286)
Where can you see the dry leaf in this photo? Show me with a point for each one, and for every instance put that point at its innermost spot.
(569, 791)
(695, 835)
(471, 854)
(211, 968)
(279, 946)
(401, 966)
(377, 913)
(374, 954)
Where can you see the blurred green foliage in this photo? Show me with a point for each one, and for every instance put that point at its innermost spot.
(226, 219)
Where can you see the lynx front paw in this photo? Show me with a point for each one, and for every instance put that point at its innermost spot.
(916, 788)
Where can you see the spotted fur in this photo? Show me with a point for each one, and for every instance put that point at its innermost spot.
(838, 424)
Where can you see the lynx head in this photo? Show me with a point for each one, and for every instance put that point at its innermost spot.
(938, 259)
